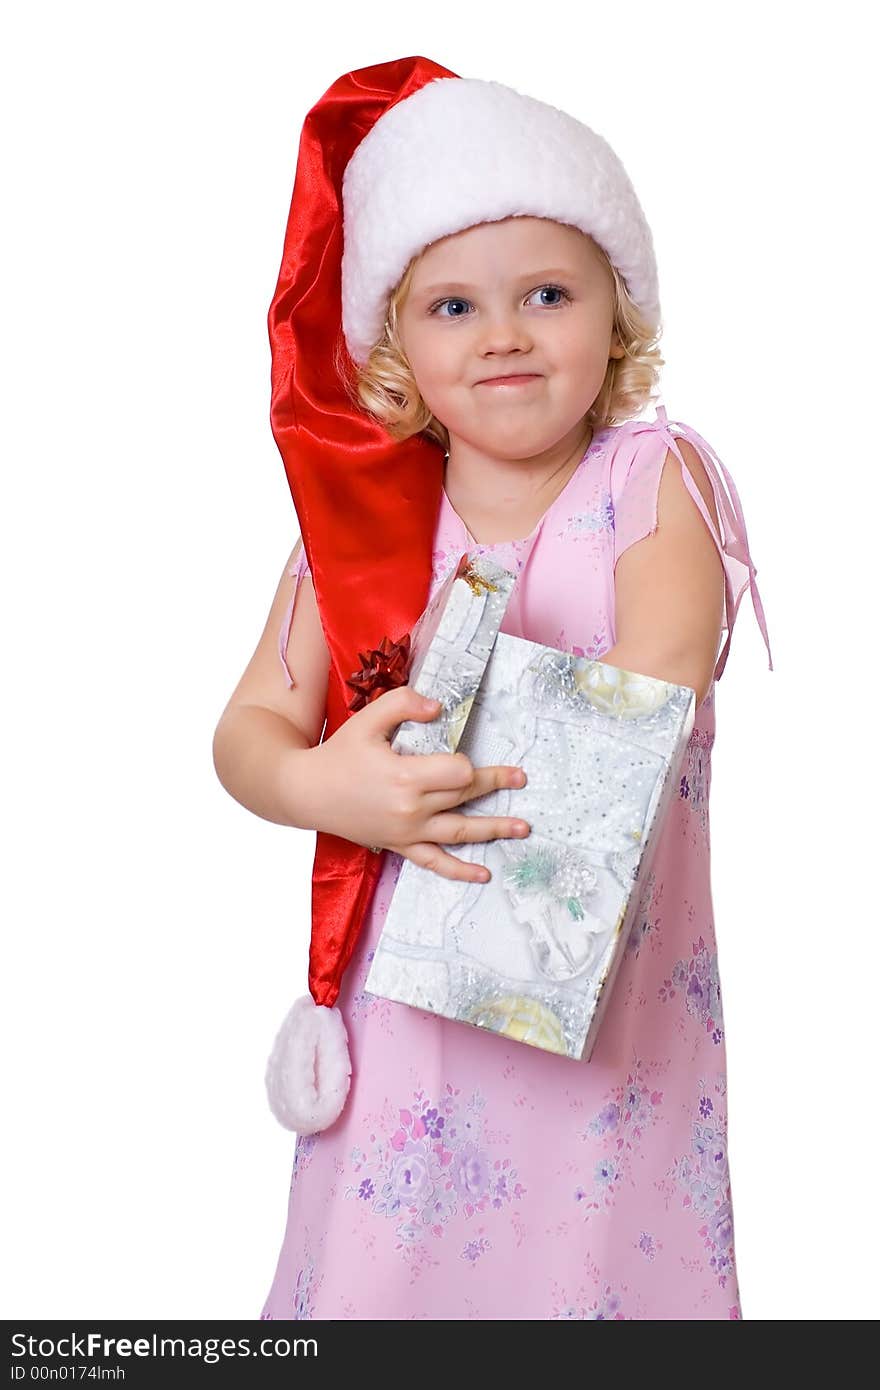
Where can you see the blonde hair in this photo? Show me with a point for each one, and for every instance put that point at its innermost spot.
(386, 388)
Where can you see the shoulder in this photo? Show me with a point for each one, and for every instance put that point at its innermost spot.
(669, 586)
(639, 478)
(673, 486)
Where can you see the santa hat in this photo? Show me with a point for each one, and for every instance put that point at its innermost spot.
(392, 158)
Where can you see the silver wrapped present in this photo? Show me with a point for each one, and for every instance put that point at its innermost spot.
(450, 647)
(532, 953)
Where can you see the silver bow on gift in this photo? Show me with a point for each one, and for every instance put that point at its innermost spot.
(547, 886)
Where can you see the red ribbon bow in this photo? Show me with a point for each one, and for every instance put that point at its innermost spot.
(383, 668)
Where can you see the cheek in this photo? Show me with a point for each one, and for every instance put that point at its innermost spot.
(445, 401)
(437, 371)
(579, 363)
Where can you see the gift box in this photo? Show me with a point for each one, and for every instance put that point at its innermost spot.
(450, 646)
(533, 953)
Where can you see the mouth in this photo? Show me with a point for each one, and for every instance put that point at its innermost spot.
(516, 379)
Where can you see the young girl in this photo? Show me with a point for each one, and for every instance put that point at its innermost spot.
(498, 302)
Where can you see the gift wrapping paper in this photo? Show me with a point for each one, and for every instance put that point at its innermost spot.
(532, 954)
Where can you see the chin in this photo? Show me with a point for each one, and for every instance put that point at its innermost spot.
(514, 448)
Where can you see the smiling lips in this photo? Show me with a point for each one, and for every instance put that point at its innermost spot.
(521, 379)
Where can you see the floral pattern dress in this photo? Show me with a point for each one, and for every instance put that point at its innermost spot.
(471, 1176)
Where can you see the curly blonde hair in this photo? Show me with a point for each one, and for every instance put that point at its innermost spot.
(385, 387)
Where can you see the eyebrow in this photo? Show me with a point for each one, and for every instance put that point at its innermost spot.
(447, 285)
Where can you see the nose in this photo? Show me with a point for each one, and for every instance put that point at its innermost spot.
(503, 332)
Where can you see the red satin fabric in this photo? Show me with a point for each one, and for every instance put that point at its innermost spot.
(367, 505)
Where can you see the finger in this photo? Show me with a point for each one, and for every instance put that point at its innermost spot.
(447, 774)
(443, 790)
(393, 707)
(428, 855)
(457, 829)
(488, 779)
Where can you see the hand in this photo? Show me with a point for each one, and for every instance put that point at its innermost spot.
(403, 801)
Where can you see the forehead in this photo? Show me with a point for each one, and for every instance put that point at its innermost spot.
(508, 246)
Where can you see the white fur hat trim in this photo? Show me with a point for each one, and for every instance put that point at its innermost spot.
(309, 1071)
(461, 151)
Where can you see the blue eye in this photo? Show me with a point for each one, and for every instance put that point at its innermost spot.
(448, 301)
(553, 289)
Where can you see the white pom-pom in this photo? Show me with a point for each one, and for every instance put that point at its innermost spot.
(309, 1070)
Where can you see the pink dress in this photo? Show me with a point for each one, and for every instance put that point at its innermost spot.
(470, 1176)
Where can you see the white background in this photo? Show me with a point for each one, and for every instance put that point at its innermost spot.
(154, 931)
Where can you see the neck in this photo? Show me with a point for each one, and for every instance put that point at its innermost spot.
(495, 488)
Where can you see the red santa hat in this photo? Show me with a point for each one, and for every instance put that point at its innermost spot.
(392, 158)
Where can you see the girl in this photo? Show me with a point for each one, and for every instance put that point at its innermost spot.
(498, 301)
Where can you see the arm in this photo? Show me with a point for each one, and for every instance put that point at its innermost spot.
(266, 733)
(669, 587)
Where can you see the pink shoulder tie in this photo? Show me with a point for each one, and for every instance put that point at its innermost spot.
(734, 540)
(296, 571)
